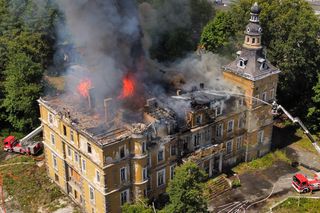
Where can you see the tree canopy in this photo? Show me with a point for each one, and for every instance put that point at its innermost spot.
(291, 36)
(186, 190)
(27, 38)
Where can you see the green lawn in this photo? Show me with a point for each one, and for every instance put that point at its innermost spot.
(293, 205)
(262, 163)
(305, 142)
(28, 184)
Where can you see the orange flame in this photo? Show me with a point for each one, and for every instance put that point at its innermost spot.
(128, 87)
(84, 86)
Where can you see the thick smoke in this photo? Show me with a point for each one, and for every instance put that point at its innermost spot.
(106, 35)
(111, 39)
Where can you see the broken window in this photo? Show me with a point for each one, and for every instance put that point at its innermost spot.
(218, 110)
(64, 130)
(56, 177)
(160, 155)
(240, 102)
(198, 119)
(196, 141)
(253, 40)
(124, 197)
(123, 174)
(230, 126)
(219, 130)
(161, 177)
(173, 149)
(229, 146)
(89, 148)
(122, 152)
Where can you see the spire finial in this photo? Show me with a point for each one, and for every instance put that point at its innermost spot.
(255, 8)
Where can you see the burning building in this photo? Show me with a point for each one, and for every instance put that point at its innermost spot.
(106, 152)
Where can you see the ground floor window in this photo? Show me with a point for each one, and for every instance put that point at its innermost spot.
(161, 177)
(124, 197)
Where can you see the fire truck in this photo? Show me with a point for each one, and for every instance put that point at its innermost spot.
(300, 182)
(23, 146)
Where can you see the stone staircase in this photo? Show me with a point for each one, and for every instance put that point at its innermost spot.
(216, 186)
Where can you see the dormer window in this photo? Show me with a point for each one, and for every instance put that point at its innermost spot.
(263, 64)
(242, 62)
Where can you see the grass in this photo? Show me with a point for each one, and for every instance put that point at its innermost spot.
(28, 184)
(292, 205)
(262, 163)
(304, 142)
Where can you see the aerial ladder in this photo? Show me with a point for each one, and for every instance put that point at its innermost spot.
(275, 109)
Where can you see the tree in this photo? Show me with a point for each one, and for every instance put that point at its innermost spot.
(216, 34)
(22, 88)
(138, 207)
(186, 190)
(291, 36)
(314, 111)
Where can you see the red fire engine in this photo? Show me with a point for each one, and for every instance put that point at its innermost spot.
(302, 184)
(11, 144)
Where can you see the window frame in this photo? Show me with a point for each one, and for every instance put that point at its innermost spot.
(231, 148)
(219, 130)
(54, 161)
(172, 171)
(163, 155)
(83, 165)
(239, 142)
(163, 174)
(264, 96)
(125, 175)
(230, 130)
(218, 110)
(260, 137)
(127, 196)
(52, 139)
(71, 136)
(92, 194)
(89, 148)
(69, 152)
(123, 147)
(144, 173)
(98, 176)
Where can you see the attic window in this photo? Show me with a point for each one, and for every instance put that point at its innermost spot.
(242, 62)
(263, 64)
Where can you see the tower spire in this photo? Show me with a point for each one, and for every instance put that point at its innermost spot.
(253, 30)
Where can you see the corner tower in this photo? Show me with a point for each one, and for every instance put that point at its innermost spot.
(257, 79)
